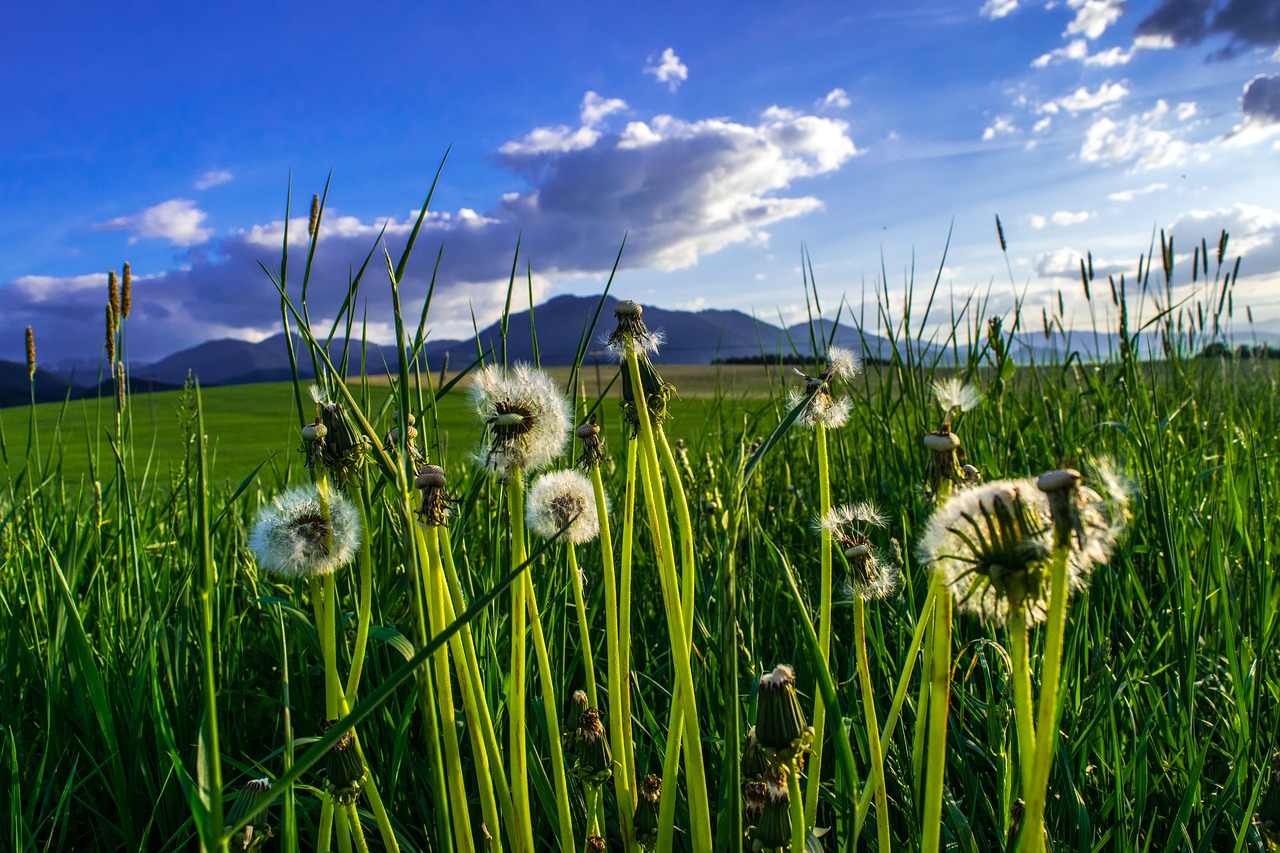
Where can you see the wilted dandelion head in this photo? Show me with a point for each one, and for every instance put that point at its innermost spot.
(525, 416)
(869, 577)
(955, 396)
(435, 501)
(646, 814)
(343, 448)
(588, 432)
(823, 410)
(563, 500)
(631, 334)
(591, 743)
(773, 829)
(293, 537)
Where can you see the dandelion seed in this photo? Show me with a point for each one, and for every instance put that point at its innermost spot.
(843, 363)
(525, 416)
(824, 410)
(955, 396)
(563, 500)
(631, 334)
(293, 538)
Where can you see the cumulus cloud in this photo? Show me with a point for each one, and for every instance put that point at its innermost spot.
(1077, 50)
(1140, 139)
(1261, 99)
(1131, 194)
(1093, 17)
(1253, 231)
(835, 98)
(1244, 23)
(678, 189)
(1002, 126)
(996, 9)
(213, 178)
(1061, 218)
(668, 69)
(595, 108)
(177, 220)
(1082, 100)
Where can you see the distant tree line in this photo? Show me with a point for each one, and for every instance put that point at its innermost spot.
(775, 358)
(1217, 349)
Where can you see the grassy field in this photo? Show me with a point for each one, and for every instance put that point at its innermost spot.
(174, 632)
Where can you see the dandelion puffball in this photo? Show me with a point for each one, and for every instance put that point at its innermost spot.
(561, 498)
(289, 535)
(526, 418)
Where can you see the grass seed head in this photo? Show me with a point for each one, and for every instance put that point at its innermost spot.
(526, 418)
(126, 291)
(563, 500)
(31, 353)
(293, 538)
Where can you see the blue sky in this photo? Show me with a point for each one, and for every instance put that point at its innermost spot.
(719, 137)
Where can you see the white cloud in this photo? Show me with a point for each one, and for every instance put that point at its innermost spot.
(1068, 217)
(996, 9)
(837, 97)
(594, 108)
(695, 304)
(177, 220)
(213, 178)
(1082, 100)
(1042, 125)
(669, 69)
(1003, 125)
(1138, 139)
(1093, 17)
(1253, 231)
(1037, 221)
(677, 189)
(1078, 50)
(1130, 195)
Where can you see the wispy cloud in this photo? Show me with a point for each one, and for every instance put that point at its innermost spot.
(177, 220)
(1131, 194)
(213, 178)
(668, 69)
(1002, 126)
(837, 97)
(996, 9)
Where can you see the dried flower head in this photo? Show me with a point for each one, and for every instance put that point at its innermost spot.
(563, 500)
(526, 418)
(591, 743)
(646, 814)
(295, 538)
(435, 501)
(631, 334)
(992, 544)
(592, 454)
(345, 447)
(595, 844)
(869, 577)
(944, 462)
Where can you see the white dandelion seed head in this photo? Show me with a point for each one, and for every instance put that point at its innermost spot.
(824, 410)
(288, 537)
(844, 363)
(648, 342)
(869, 578)
(850, 518)
(317, 393)
(526, 417)
(998, 537)
(956, 396)
(560, 498)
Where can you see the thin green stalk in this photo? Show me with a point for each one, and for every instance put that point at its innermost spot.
(550, 706)
(1050, 684)
(814, 782)
(365, 612)
(796, 804)
(699, 808)
(357, 834)
(584, 631)
(519, 661)
(213, 781)
(624, 616)
(431, 575)
(343, 829)
(1020, 663)
(622, 782)
(939, 700)
(872, 726)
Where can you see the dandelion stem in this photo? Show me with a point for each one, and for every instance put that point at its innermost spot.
(584, 631)
(796, 804)
(624, 617)
(824, 627)
(1050, 683)
(550, 704)
(872, 726)
(1020, 662)
(366, 602)
(939, 700)
(519, 657)
(357, 831)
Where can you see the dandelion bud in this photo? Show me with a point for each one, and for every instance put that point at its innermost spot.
(252, 834)
(773, 831)
(435, 503)
(646, 816)
(592, 449)
(780, 721)
(345, 768)
(595, 844)
(126, 291)
(31, 353)
(595, 761)
(345, 448)
(580, 704)
(753, 798)
(754, 762)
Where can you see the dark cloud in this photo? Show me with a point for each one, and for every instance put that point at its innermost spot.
(1261, 100)
(1245, 23)
(677, 190)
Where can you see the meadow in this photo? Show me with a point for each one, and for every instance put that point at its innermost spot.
(188, 665)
